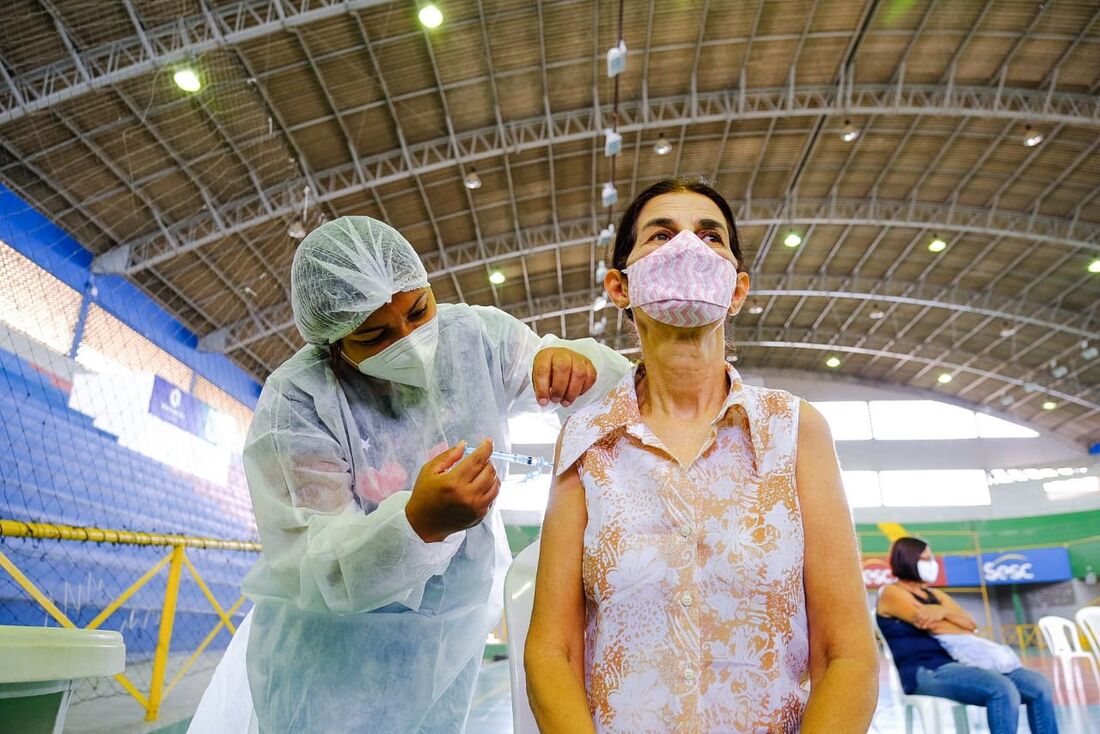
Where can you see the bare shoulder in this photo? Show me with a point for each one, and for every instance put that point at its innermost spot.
(811, 423)
(889, 597)
(943, 596)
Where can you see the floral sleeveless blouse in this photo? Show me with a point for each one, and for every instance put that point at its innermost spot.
(696, 611)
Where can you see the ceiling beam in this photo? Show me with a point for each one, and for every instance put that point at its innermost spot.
(154, 48)
(583, 124)
(278, 318)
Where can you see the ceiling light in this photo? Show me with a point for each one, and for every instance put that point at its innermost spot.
(471, 180)
(877, 315)
(430, 16)
(732, 358)
(1007, 330)
(1058, 371)
(1094, 266)
(832, 362)
(600, 303)
(944, 378)
(1089, 352)
(849, 133)
(756, 309)
(1007, 400)
(1031, 387)
(662, 146)
(1050, 405)
(496, 277)
(793, 239)
(599, 327)
(187, 80)
(937, 245)
(1032, 137)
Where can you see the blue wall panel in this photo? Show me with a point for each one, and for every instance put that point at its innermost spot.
(38, 239)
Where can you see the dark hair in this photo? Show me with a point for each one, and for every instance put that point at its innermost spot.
(904, 554)
(626, 236)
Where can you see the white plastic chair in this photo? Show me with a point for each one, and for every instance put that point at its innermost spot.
(519, 598)
(1088, 619)
(931, 709)
(1060, 635)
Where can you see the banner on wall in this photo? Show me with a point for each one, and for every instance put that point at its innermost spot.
(174, 406)
(1028, 566)
(876, 572)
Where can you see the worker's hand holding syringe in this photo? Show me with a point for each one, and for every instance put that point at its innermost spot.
(453, 492)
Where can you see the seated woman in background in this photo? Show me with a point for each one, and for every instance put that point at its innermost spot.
(937, 653)
(698, 563)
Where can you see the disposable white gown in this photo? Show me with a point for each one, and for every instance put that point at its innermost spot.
(359, 625)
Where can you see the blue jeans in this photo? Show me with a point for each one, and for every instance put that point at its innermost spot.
(1000, 694)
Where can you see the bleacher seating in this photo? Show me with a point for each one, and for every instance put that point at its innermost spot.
(57, 467)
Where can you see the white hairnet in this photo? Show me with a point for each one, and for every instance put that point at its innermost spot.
(344, 271)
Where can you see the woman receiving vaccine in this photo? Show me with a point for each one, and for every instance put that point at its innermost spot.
(698, 566)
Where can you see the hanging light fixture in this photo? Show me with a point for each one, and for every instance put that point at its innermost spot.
(663, 146)
(756, 309)
(603, 239)
(612, 143)
(496, 277)
(793, 239)
(944, 378)
(297, 228)
(609, 195)
(471, 180)
(832, 362)
(600, 303)
(1049, 405)
(877, 315)
(601, 271)
(1032, 137)
(849, 133)
(937, 245)
(1094, 266)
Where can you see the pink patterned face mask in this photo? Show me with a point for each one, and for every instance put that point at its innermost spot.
(683, 283)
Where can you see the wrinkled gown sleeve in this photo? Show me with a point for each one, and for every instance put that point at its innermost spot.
(321, 548)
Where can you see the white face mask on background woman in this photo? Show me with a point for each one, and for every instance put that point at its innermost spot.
(408, 360)
(683, 283)
(928, 570)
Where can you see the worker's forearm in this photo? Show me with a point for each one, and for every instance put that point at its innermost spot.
(557, 696)
(844, 699)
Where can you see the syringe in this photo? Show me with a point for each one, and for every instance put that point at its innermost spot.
(536, 462)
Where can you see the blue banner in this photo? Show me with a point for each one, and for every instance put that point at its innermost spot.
(1031, 566)
(171, 404)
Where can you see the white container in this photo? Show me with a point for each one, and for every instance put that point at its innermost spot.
(38, 667)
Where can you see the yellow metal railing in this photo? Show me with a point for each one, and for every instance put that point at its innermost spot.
(176, 560)
(1023, 636)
